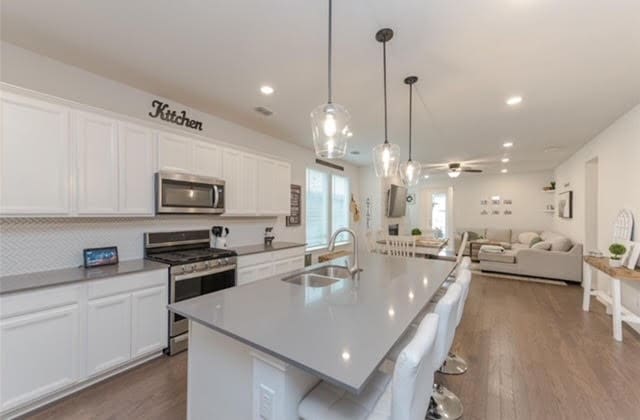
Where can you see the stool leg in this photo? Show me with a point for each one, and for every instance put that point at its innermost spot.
(453, 365)
(444, 404)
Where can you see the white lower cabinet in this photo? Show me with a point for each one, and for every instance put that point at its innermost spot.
(260, 266)
(148, 323)
(41, 353)
(54, 339)
(109, 333)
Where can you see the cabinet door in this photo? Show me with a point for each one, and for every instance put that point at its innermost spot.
(249, 184)
(148, 320)
(40, 352)
(136, 167)
(232, 175)
(282, 173)
(97, 163)
(34, 157)
(207, 159)
(109, 332)
(267, 181)
(175, 153)
(254, 273)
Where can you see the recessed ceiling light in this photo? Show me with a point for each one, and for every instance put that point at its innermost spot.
(355, 152)
(266, 90)
(426, 176)
(513, 100)
(345, 355)
(505, 160)
(507, 144)
(504, 171)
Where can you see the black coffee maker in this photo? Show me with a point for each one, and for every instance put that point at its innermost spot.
(268, 236)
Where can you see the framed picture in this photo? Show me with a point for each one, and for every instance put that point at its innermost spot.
(96, 257)
(507, 202)
(565, 205)
(294, 218)
(633, 253)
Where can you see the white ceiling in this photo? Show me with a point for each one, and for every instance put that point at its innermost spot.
(575, 62)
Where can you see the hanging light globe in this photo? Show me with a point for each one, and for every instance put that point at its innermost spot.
(386, 159)
(410, 170)
(330, 129)
(330, 121)
(386, 156)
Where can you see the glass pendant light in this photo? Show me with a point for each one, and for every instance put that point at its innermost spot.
(330, 121)
(410, 170)
(386, 156)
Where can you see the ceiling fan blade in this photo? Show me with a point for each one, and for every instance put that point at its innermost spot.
(475, 171)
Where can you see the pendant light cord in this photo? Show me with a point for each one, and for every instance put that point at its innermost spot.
(384, 71)
(410, 114)
(329, 52)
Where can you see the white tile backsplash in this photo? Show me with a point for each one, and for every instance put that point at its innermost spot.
(38, 244)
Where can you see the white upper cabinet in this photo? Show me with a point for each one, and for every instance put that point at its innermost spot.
(232, 175)
(97, 163)
(175, 153)
(137, 164)
(207, 159)
(34, 157)
(249, 191)
(274, 179)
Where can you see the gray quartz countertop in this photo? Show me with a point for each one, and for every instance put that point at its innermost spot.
(259, 248)
(341, 332)
(21, 282)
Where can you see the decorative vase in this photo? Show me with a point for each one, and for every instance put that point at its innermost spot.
(615, 263)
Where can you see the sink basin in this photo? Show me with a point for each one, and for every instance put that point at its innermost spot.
(311, 280)
(319, 277)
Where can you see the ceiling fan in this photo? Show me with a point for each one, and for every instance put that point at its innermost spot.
(454, 169)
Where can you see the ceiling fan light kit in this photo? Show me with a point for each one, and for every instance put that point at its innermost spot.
(386, 156)
(410, 170)
(330, 121)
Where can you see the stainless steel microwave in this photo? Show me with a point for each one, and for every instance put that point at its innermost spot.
(178, 193)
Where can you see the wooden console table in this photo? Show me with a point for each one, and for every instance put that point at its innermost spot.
(619, 313)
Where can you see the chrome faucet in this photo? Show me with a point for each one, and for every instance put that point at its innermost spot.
(355, 268)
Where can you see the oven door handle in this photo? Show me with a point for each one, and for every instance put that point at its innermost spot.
(194, 274)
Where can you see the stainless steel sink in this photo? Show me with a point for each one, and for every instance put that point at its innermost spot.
(319, 277)
(311, 280)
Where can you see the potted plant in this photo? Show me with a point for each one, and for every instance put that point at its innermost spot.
(617, 251)
(416, 232)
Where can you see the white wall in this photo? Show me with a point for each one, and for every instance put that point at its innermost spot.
(618, 151)
(68, 237)
(524, 189)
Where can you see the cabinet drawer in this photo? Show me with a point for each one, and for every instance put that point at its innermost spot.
(127, 283)
(38, 300)
(288, 253)
(249, 260)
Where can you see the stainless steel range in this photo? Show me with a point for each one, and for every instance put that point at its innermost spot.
(195, 270)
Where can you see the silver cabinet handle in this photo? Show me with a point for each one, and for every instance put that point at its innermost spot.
(187, 276)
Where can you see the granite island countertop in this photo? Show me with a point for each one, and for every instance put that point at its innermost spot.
(260, 248)
(28, 281)
(341, 332)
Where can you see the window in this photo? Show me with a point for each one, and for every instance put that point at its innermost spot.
(328, 200)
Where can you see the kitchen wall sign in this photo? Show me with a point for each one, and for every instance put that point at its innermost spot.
(161, 110)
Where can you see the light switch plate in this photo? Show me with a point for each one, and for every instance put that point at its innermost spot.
(267, 397)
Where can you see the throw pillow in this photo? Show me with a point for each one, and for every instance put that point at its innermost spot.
(561, 244)
(535, 240)
(543, 245)
(528, 238)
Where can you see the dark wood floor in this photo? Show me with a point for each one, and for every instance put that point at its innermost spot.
(532, 354)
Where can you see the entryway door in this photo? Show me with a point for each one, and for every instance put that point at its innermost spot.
(436, 211)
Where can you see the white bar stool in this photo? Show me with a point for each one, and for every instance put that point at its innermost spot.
(444, 403)
(454, 364)
(399, 399)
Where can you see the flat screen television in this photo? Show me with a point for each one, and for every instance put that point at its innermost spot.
(396, 201)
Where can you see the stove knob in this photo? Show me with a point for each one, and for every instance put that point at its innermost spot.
(187, 268)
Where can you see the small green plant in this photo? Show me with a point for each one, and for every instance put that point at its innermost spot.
(617, 250)
(416, 232)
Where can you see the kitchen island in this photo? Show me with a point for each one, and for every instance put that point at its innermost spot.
(256, 350)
